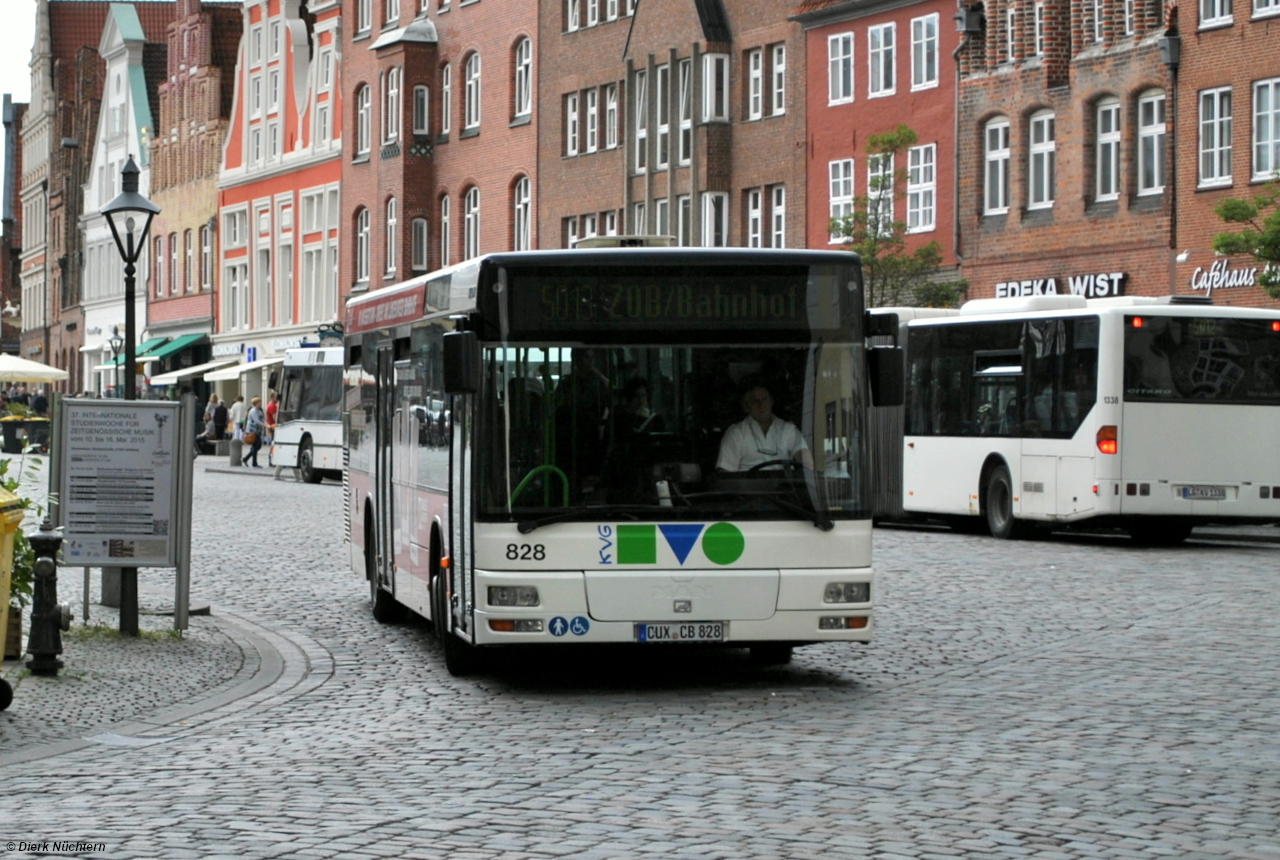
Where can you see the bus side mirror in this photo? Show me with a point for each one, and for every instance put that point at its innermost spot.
(881, 325)
(461, 362)
(885, 367)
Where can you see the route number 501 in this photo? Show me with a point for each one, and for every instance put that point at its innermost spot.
(526, 552)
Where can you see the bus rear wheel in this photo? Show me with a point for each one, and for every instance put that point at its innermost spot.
(999, 505)
(307, 463)
(1158, 531)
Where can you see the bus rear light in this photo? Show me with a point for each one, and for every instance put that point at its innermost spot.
(1275, 326)
(517, 625)
(1137, 322)
(1108, 439)
(513, 595)
(839, 622)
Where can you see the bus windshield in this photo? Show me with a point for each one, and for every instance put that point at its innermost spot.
(311, 393)
(638, 432)
(1205, 359)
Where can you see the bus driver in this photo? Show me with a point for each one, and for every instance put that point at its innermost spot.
(761, 437)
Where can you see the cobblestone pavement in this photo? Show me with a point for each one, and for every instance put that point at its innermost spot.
(1064, 698)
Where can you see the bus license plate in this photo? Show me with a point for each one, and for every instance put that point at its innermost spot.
(1210, 493)
(693, 631)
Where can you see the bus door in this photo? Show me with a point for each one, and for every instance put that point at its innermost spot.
(460, 513)
(383, 495)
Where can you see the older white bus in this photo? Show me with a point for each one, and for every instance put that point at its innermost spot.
(308, 433)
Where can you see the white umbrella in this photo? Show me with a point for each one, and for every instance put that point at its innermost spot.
(14, 369)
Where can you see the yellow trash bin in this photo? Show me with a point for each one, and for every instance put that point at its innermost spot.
(11, 515)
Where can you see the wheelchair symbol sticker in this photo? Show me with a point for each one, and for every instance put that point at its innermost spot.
(559, 626)
(579, 625)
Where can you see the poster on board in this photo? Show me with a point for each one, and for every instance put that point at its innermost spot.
(118, 490)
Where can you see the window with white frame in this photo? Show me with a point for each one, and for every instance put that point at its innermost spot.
(471, 224)
(421, 110)
(1099, 18)
(255, 46)
(255, 95)
(312, 211)
(1039, 13)
(273, 91)
(684, 220)
(1151, 142)
(473, 92)
(391, 229)
(611, 116)
(323, 132)
(755, 84)
(159, 268)
(779, 75)
(593, 12)
(588, 226)
(313, 286)
(255, 144)
(593, 118)
(840, 197)
(418, 244)
(521, 215)
(571, 21)
(880, 181)
(924, 52)
(275, 43)
(284, 284)
(393, 13)
(364, 15)
(611, 10)
(188, 258)
(642, 121)
(840, 68)
(686, 111)
(922, 186)
(524, 77)
(1130, 17)
(715, 219)
(1265, 7)
(662, 95)
(1266, 128)
(996, 157)
(610, 222)
(662, 217)
(880, 45)
(755, 218)
(1215, 12)
(446, 98)
(206, 257)
(1011, 33)
(326, 70)
(445, 235)
(391, 105)
(1108, 150)
(778, 217)
(715, 87)
(235, 227)
(1215, 136)
(639, 214)
(570, 231)
(571, 120)
(629, 7)
(362, 246)
(364, 120)
(1042, 151)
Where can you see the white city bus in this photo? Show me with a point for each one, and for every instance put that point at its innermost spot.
(1153, 415)
(308, 433)
(506, 482)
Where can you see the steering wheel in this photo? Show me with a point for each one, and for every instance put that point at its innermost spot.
(767, 463)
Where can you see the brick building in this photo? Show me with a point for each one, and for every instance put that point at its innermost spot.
(11, 230)
(1228, 124)
(874, 64)
(194, 103)
(1065, 135)
(278, 197)
(674, 118)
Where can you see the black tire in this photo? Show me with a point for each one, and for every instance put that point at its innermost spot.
(385, 608)
(1158, 531)
(6, 695)
(439, 610)
(998, 506)
(307, 463)
(771, 654)
(460, 658)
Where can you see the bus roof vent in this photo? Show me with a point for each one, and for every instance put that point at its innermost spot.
(1185, 300)
(1022, 305)
(626, 242)
(1122, 301)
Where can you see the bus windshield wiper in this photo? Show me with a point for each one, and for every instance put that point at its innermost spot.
(595, 512)
(818, 518)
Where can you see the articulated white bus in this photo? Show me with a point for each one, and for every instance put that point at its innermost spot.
(534, 449)
(308, 433)
(1153, 415)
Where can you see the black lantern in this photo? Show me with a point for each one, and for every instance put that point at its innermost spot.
(116, 342)
(129, 216)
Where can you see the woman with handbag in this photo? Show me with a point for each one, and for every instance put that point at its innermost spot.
(255, 425)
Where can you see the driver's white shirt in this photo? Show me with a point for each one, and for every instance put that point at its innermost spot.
(746, 444)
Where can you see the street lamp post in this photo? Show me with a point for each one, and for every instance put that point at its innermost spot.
(116, 342)
(126, 211)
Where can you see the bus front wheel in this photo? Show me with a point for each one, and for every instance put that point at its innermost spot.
(999, 505)
(385, 608)
(307, 463)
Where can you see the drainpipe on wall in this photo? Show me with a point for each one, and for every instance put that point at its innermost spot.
(1170, 53)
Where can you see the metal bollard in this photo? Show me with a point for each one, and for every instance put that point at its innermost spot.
(48, 618)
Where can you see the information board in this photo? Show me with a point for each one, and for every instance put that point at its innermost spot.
(118, 488)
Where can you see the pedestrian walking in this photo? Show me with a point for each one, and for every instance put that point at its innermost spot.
(237, 418)
(255, 428)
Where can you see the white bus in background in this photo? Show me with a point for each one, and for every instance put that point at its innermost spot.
(1152, 415)
(308, 433)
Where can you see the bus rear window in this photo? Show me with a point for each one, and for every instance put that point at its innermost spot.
(1217, 360)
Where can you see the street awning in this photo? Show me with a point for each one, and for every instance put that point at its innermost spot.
(142, 353)
(175, 345)
(234, 372)
(175, 376)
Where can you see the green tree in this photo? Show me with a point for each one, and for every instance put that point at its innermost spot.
(1260, 236)
(893, 275)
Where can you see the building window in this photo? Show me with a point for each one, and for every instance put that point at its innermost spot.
(1266, 128)
(662, 217)
(921, 185)
(755, 84)
(570, 232)
(715, 87)
(421, 110)
(444, 231)
(391, 106)
(1214, 13)
(364, 15)
(880, 181)
(188, 258)
(255, 41)
(1130, 18)
(642, 121)
(393, 222)
(273, 91)
(284, 285)
(996, 156)
(841, 199)
(880, 43)
(1215, 136)
(639, 214)
(524, 78)
(684, 217)
(1108, 143)
(364, 121)
(393, 13)
(1099, 18)
(780, 79)
(1039, 10)
(588, 226)
(611, 116)
(275, 44)
(362, 246)
(322, 129)
(571, 15)
(473, 92)
(663, 97)
(446, 99)
(571, 124)
(521, 210)
(755, 218)
(593, 12)
(686, 111)
(593, 118)
(924, 52)
(206, 258)
(1151, 143)
(175, 286)
(611, 10)
(1043, 157)
(159, 267)
(471, 224)
(610, 222)
(778, 217)
(1265, 7)
(1010, 33)
(840, 68)
(418, 242)
(255, 95)
(715, 219)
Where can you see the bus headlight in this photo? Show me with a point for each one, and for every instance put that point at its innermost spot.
(513, 595)
(847, 592)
